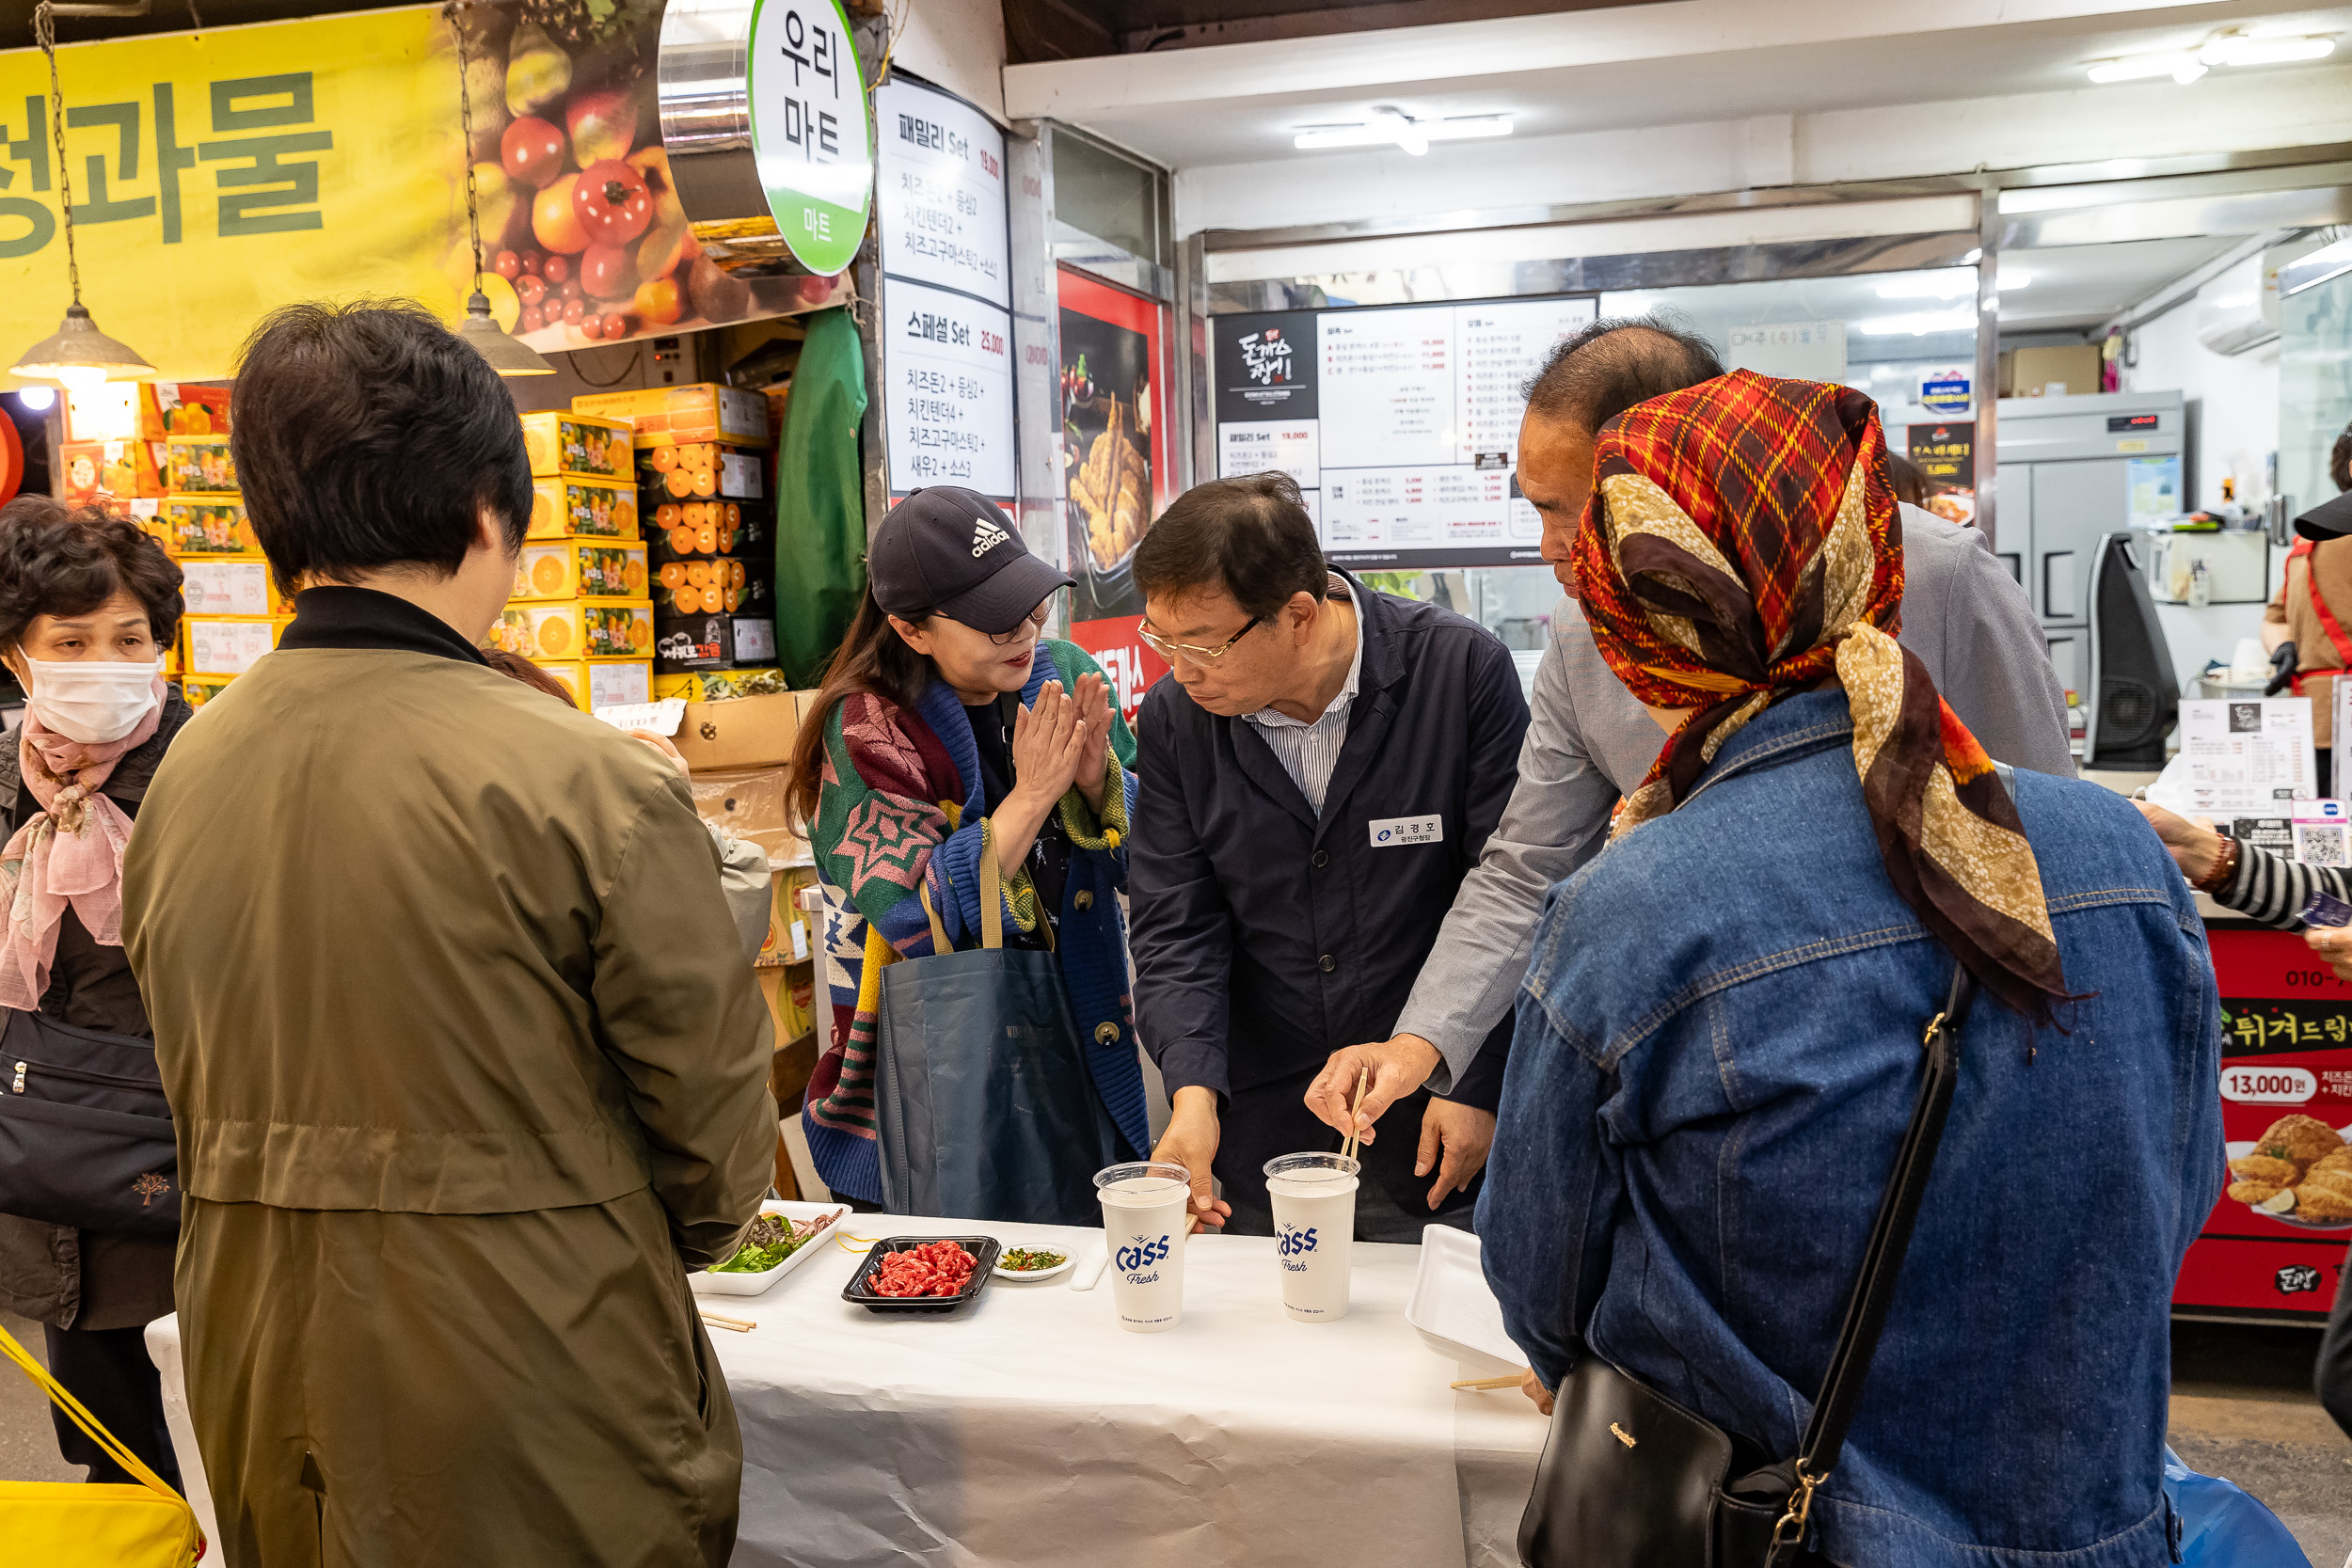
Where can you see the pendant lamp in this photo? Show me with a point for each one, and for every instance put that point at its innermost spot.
(508, 356)
(77, 354)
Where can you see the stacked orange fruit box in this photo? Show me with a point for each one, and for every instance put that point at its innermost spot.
(702, 469)
(581, 609)
(235, 611)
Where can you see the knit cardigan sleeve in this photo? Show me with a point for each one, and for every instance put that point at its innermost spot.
(882, 826)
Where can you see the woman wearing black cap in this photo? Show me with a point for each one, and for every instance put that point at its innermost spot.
(947, 721)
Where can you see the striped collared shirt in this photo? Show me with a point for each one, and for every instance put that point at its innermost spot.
(1309, 752)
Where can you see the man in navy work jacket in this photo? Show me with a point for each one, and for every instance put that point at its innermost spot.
(1316, 778)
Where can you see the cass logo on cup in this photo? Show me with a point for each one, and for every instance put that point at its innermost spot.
(1292, 1241)
(1145, 1253)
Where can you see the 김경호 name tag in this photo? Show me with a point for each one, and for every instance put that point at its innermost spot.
(1391, 831)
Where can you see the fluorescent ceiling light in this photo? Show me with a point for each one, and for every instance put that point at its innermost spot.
(1392, 127)
(1917, 324)
(1954, 284)
(2222, 49)
(2237, 49)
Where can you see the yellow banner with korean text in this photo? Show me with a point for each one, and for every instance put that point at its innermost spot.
(218, 175)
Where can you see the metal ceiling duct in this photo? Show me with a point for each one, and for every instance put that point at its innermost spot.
(706, 125)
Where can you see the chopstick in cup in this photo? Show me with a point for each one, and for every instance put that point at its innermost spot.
(1481, 1384)
(720, 1319)
(1363, 1085)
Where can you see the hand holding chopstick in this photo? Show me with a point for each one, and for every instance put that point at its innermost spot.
(1363, 1083)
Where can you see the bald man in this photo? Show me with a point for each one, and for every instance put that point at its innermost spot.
(1589, 741)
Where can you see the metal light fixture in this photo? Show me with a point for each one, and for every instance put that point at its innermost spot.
(1393, 127)
(507, 355)
(77, 354)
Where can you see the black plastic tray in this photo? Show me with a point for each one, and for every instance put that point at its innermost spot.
(985, 1250)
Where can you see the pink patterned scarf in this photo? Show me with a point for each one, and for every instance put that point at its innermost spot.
(69, 855)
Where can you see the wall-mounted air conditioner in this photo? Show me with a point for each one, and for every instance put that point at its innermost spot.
(2239, 310)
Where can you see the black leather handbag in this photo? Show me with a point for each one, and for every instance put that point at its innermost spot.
(1630, 1480)
(86, 1134)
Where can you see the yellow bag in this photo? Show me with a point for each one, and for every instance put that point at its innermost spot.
(107, 1525)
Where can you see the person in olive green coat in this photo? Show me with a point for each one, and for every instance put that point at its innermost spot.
(466, 1064)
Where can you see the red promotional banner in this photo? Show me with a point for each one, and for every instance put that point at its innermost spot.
(1129, 661)
(2273, 1248)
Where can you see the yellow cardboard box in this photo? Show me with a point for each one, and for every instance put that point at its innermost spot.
(595, 683)
(581, 569)
(576, 629)
(582, 509)
(663, 416)
(231, 587)
(199, 464)
(201, 525)
(586, 445)
(199, 690)
(227, 644)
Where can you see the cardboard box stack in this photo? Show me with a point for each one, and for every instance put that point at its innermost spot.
(704, 496)
(579, 609)
(235, 613)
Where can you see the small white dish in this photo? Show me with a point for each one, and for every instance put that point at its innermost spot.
(704, 1283)
(1068, 1257)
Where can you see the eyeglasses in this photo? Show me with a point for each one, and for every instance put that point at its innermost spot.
(1167, 648)
(1035, 618)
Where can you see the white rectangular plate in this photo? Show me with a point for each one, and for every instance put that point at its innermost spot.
(704, 1283)
(1451, 1304)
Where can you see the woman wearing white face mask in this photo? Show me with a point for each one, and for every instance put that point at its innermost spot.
(88, 601)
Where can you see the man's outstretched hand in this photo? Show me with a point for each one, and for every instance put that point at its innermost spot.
(1396, 1067)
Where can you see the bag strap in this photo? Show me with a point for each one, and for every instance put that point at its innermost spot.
(992, 905)
(2328, 621)
(1881, 1264)
(83, 1418)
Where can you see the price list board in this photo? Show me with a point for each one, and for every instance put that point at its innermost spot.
(1399, 423)
(947, 292)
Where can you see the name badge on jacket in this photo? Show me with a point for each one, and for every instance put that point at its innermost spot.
(1389, 831)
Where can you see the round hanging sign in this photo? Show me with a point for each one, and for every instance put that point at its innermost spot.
(810, 133)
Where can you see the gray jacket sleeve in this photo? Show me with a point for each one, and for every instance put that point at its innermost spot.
(1557, 819)
(744, 876)
(1985, 650)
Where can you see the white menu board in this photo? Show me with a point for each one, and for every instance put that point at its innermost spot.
(942, 189)
(947, 292)
(948, 364)
(1399, 424)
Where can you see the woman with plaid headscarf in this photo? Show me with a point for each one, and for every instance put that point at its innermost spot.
(1718, 1035)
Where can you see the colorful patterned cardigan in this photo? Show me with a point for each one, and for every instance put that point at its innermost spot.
(902, 806)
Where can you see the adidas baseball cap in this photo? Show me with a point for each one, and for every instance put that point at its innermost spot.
(956, 552)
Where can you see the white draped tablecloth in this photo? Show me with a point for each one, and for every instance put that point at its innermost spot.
(1029, 1431)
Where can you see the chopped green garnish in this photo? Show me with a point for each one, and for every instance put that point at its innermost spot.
(1026, 1261)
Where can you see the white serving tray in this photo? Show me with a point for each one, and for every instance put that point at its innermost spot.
(704, 1283)
(1450, 1307)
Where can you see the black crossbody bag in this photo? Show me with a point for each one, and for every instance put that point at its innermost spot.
(86, 1134)
(1630, 1480)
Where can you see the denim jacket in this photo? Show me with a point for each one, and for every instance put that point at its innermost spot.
(1718, 1048)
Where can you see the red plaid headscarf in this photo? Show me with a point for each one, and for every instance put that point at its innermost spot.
(1742, 545)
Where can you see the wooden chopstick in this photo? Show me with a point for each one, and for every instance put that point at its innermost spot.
(720, 1319)
(1485, 1383)
(1363, 1085)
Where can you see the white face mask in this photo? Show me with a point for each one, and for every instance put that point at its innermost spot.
(91, 700)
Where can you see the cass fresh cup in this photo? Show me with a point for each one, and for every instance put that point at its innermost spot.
(1314, 1230)
(1143, 1226)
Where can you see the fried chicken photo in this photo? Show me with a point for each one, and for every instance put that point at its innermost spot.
(2326, 1205)
(2265, 1168)
(2254, 1192)
(2299, 1138)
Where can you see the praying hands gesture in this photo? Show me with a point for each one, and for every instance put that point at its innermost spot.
(1094, 738)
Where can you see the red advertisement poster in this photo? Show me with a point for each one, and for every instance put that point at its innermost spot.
(1116, 464)
(2275, 1245)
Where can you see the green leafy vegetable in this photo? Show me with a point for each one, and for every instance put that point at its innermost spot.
(1026, 1260)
